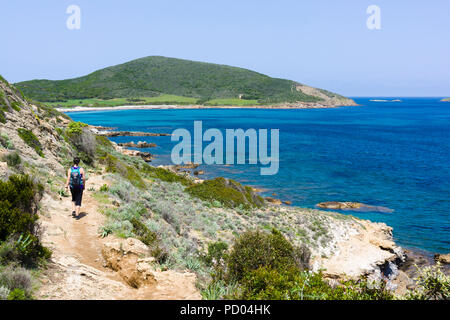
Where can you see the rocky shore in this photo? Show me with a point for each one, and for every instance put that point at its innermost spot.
(357, 249)
(140, 145)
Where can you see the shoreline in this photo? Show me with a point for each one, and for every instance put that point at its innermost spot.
(192, 107)
(416, 251)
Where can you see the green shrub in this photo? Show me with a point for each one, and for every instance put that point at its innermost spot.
(103, 141)
(2, 117)
(144, 234)
(19, 197)
(256, 249)
(165, 175)
(216, 253)
(59, 131)
(75, 128)
(433, 284)
(83, 140)
(266, 283)
(114, 165)
(31, 140)
(12, 159)
(228, 192)
(5, 142)
(104, 188)
(15, 105)
(15, 277)
(17, 294)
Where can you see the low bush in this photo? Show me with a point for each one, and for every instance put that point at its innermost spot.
(19, 197)
(433, 284)
(142, 232)
(31, 140)
(15, 106)
(12, 159)
(16, 278)
(115, 165)
(255, 249)
(104, 188)
(217, 252)
(83, 140)
(5, 142)
(165, 175)
(228, 192)
(75, 128)
(17, 294)
(266, 283)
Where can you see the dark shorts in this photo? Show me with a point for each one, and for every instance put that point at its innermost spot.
(77, 195)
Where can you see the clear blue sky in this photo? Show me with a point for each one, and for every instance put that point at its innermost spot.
(323, 43)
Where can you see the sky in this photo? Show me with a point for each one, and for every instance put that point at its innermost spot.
(322, 43)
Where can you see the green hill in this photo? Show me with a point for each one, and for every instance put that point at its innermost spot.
(172, 79)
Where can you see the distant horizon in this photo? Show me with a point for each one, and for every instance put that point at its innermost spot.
(348, 96)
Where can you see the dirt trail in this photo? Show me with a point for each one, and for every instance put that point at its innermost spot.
(77, 268)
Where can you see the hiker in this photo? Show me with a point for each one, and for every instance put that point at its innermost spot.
(77, 182)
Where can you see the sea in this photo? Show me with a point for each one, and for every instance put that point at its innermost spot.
(391, 155)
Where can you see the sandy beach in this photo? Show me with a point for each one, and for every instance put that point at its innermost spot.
(139, 107)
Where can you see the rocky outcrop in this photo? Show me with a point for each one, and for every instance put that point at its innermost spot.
(328, 99)
(442, 258)
(140, 144)
(178, 167)
(131, 134)
(146, 156)
(273, 200)
(335, 205)
(131, 259)
(16, 113)
(366, 250)
(125, 258)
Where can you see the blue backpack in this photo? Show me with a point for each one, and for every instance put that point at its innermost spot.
(76, 180)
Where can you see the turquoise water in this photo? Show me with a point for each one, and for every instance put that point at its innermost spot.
(388, 154)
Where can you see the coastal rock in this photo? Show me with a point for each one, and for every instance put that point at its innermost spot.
(140, 144)
(339, 205)
(131, 134)
(287, 202)
(199, 172)
(442, 258)
(367, 250)
(273, 200)
(336, 205)
(178, 167)
(146, 156)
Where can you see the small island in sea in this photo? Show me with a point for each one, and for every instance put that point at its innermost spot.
(446, 100)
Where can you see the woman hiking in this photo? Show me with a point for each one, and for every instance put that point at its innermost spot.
(76, 180)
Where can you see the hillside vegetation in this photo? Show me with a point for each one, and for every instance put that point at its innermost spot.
(161, 80)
